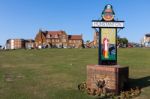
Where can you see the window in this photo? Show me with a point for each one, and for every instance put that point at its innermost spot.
(63, 36)
(63, 40)
(48, 36)
(57, 40)
(78, 41)
(56, 36)
(52, 40)
(48, 40)
(70, 41)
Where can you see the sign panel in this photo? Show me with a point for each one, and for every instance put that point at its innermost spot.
(107, 36)
(101, 24)
(108, 44)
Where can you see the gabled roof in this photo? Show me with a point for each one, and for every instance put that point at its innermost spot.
(57, 34)
(75, 37)
(53, 34)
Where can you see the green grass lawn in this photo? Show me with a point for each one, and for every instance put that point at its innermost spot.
(55, 73)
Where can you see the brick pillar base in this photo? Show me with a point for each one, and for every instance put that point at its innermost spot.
(115, 77)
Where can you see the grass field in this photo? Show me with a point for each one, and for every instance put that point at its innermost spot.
(55, 73)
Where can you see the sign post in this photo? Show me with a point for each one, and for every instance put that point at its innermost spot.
(107, 53)
(113, 76)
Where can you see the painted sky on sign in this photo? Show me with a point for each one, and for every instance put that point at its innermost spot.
(23, 18)
(109, 34)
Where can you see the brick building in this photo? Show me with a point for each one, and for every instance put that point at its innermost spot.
(94, 43)
(15, 43)
(57, 39)
(96, 39)
(75, 41)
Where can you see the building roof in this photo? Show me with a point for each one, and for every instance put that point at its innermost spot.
(16, 39)
(29, 40)
(75, 37)
(57, 34)
(147, 35)
(54, 34)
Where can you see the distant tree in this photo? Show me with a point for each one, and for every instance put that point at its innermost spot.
(122, 41)
(0, 46)
(118, 40)
(88, 41)
(87, 44)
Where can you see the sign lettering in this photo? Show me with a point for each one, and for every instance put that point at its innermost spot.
(107, 24)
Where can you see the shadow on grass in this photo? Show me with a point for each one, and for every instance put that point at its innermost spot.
(140, 82)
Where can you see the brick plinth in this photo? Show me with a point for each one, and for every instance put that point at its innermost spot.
(115, 77)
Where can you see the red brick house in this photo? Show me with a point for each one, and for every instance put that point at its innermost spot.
(58, 39)
(75, 41)
(96, 39)
(94, 43)
(40, 39)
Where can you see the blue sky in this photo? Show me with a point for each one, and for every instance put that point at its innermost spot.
(23, 18)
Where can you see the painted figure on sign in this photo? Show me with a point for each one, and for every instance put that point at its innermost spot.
(106, 48)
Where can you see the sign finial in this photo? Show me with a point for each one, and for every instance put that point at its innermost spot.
(108, 13)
